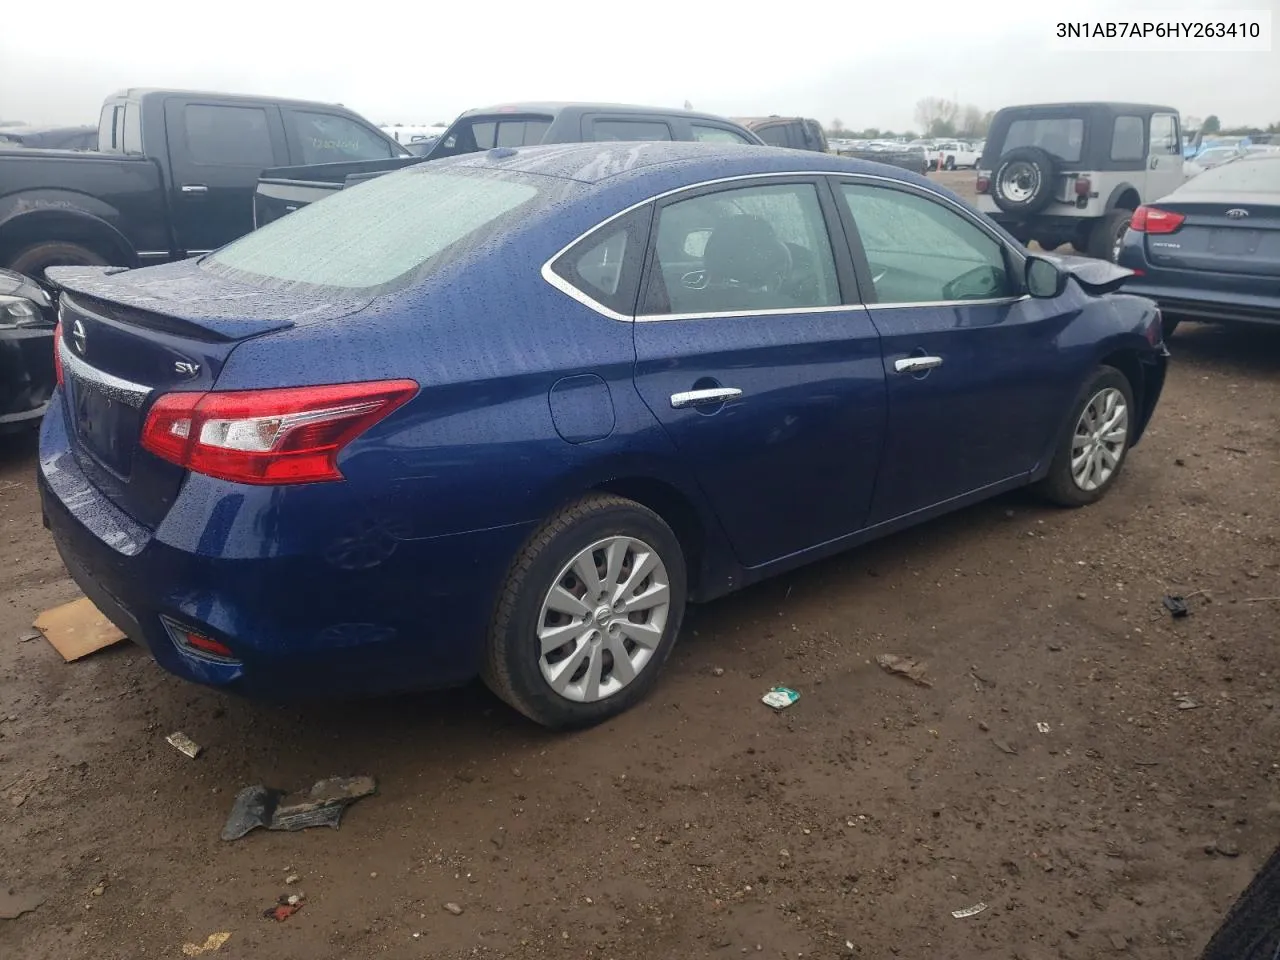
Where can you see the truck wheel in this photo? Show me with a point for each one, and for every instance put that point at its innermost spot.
(950, 164)
(33, 260)
(1104, 239)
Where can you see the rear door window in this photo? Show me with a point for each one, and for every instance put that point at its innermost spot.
(774, 135)
(707, 134)
(603, 129)
(326, 138)
(1061, 136)
(473, 134)
(742, 250)
(227, 136)
(1127, 140)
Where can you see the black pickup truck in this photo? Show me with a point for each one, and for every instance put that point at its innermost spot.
(284, 190)
(174, 175)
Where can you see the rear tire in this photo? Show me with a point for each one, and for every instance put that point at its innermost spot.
(595, 637)
(33, 260)
(1093, 419)
(1104, 239)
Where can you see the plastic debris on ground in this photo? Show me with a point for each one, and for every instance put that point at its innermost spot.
(780, 698)
(973, 911)
(184, 744)
(1176, 606)
(212, 944)
(285, 907)
(907, 667)
(321, 806)
(1184, 702)
(1042, 727)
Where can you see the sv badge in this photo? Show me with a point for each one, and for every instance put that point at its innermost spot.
(186, 368)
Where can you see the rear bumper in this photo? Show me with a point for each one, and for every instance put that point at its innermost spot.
(1217, 306)
(404, 615)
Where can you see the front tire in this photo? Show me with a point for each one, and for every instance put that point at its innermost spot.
(1089, 458)
(589, 613)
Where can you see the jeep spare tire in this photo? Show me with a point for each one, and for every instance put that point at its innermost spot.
(1024, 180)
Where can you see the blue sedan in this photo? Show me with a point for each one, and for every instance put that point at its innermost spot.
(1211, 249)
(506, 414)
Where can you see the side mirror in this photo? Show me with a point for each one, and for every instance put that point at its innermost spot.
(1044, 280)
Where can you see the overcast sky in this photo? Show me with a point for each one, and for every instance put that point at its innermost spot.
(864, 61)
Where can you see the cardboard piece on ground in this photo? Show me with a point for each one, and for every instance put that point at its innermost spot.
(77, 629)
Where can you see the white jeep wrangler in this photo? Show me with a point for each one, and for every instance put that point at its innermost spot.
(1075, 172)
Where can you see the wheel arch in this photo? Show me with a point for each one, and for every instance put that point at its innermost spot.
(45, 225)
(678, 511)
(1124, 197)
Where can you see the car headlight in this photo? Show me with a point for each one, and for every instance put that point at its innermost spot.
(21, 312)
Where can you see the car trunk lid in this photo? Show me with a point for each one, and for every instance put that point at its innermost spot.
(1240, 236)
(128, 337)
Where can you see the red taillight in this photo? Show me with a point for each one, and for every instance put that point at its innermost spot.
(287, 435)
(984, 185)
(1083, 186)
(57, 352)
(1155, 220)
(206, 645)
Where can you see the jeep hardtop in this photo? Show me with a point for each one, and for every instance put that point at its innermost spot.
(1075, 172)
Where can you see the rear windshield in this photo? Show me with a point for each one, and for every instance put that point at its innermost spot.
(1239, 176)
(1061, 136)
(372, 236)
(484, 133)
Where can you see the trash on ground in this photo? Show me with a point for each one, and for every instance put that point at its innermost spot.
(453, 908)
(717, 671)
(1042, 727)
(908, 667)
(14, 903)
(184, 744)
(77, 629)
(29, 635)
(291, 879)
(285, 907)
(780, 697)
(212, 943)
(1003, 747)
(321, 806)
(1184, 702)
(973, 911)
(1176, 606)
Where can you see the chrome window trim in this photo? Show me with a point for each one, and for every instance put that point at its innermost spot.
(948, 303)
(126, 391)
(565, 287)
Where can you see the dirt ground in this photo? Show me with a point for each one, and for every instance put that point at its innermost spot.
(702, 823)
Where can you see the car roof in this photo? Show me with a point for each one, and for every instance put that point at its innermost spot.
(1114, 106)
(556, 107)
(137, 93)
(597, 162)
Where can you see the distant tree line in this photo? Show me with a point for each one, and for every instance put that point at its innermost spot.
(936, 116)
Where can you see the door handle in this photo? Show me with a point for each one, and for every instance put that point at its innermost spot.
(695, 398)
(194, 188)
(916, 364)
